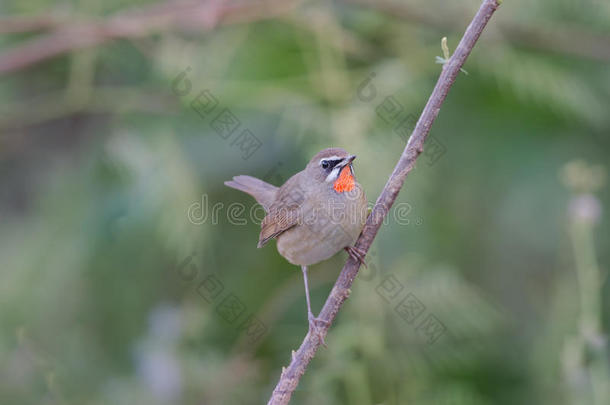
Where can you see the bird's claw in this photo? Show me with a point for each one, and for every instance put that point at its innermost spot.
(356, 254)
(315, 328)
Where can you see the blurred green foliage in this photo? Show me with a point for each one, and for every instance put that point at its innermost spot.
(101, 159)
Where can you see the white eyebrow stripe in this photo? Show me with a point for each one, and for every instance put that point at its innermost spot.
(331, 158)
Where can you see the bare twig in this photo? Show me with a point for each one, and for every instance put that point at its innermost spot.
(290, 376)
(18, 24)
(101, 100)
(185, 15)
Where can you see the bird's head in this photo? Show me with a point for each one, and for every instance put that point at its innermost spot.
(333, 167)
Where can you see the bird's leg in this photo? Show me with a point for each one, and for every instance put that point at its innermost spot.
(356, 254)
(313, 327)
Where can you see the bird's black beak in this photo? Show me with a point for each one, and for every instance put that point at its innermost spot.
(348, 160)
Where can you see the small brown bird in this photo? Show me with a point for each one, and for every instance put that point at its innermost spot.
(316, 213)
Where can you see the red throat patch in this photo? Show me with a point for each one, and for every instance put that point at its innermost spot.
(345, 181)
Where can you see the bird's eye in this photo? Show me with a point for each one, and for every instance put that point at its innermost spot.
(325, 164)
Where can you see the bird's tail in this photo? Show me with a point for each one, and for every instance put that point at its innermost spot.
(263, 192)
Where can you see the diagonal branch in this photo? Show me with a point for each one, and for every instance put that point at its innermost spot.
(290, 376)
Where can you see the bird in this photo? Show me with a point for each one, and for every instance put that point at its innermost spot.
(316, 213)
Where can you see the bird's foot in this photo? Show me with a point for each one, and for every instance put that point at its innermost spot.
(316, 329)
(356, 254)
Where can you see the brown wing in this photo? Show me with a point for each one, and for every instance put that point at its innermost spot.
(285, 211)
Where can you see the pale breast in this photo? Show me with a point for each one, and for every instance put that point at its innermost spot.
(329, 225)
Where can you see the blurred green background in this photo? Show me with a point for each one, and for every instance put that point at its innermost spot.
(116, 270)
